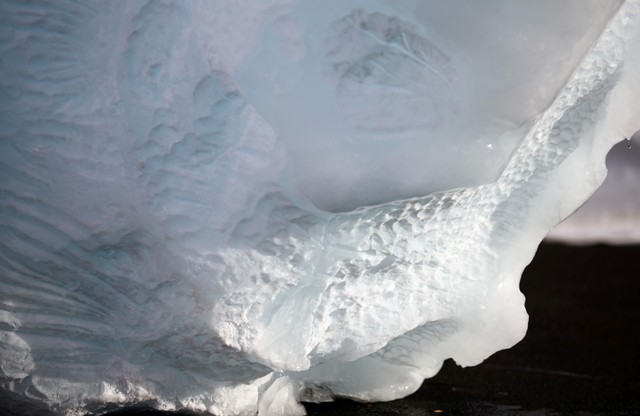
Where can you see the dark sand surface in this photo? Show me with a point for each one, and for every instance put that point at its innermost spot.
(581, 355)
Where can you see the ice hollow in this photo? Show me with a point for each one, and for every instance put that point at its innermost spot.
(168, 172)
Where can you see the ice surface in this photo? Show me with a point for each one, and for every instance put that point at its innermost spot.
(400, 82)
(167, 172)
(612, 214)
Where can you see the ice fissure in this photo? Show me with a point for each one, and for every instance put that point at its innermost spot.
(162, 164)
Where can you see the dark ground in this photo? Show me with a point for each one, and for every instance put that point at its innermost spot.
(581, 355)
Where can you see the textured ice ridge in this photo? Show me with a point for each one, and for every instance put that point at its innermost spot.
(154, 249)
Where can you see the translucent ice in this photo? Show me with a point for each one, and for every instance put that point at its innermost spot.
(168, 172)
(612, 214)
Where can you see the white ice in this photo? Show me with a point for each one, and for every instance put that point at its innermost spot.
(612, 214)
(220, 206)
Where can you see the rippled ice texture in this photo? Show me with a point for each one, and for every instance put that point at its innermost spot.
(180, 183)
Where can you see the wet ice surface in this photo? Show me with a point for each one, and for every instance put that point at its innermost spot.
(576, 360)
(400, 84)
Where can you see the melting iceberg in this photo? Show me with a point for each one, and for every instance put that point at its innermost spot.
(216, 206)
